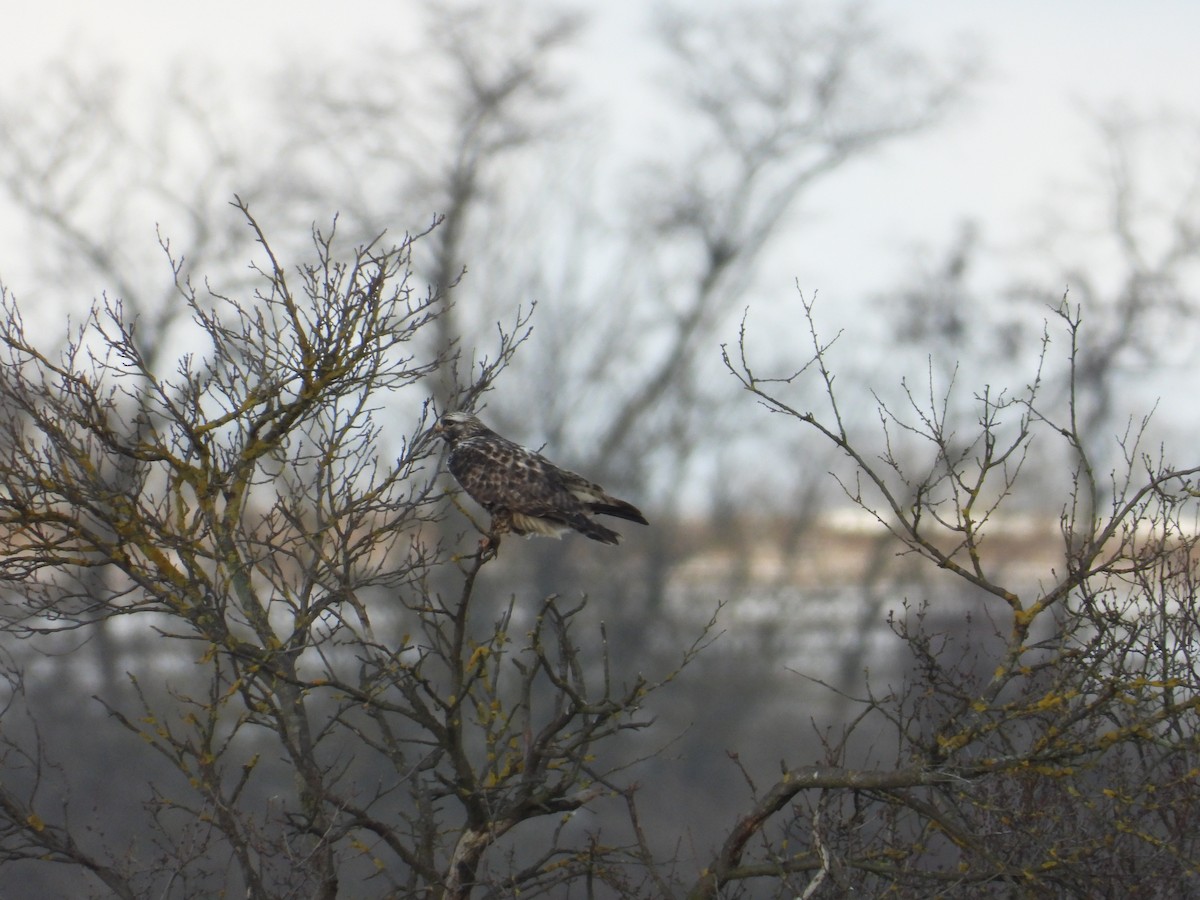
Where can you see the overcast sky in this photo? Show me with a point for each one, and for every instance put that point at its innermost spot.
(1022, 132)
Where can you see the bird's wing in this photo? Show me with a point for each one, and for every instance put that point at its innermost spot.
(503, 475)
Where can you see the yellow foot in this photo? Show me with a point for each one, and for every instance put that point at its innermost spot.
(488, 546)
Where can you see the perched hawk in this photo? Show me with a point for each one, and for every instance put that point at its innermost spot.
(525, 492)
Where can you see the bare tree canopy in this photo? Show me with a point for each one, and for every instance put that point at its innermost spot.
(916, 611)
(349, 714)
(248, 517)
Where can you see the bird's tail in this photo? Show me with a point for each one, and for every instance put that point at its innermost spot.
(611, 506)
(596, 532)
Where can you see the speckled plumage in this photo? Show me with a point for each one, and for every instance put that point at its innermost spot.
(525, 492)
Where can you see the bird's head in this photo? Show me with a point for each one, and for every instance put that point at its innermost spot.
(454, 426)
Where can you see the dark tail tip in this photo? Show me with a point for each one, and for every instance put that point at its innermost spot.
(599, 533)
(621, 510)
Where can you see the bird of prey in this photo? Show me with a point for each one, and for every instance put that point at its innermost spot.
(523, 491)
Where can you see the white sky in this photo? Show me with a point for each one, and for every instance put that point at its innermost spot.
(1024, 131)
(1021, 132)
